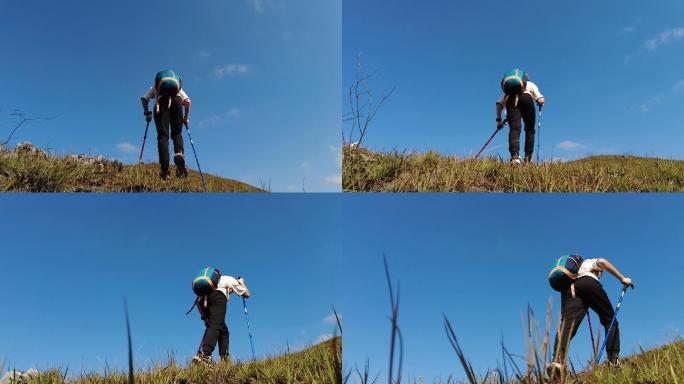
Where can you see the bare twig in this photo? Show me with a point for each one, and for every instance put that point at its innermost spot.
(21, 120)
(362, 105)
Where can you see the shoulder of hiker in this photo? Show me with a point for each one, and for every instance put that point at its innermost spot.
(533, 88)
(184, 96)
(502, 100)
(591, 262)
(600, 263)
(231, 284)
(227, 281)
(149, 94)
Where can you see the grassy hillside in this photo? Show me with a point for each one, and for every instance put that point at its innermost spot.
(366, 171)
(318, 364)
(664, 365)
(27, 169)
(661, 365)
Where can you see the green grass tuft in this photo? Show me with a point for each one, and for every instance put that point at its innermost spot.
(33, 170)
(366, 171)
(318, 364)
(662, 365)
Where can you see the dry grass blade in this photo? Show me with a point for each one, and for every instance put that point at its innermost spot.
(339, 322)
(364, 376)
(472, 378)
(131, 375)
(396, 336)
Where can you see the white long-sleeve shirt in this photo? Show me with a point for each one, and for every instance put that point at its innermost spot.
(228, 284)
(152, 94)
(590, 267)
(531, 89)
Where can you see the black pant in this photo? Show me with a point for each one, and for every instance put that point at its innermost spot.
(589, 293)
(514, 111)
(215, 322)
(169, 118)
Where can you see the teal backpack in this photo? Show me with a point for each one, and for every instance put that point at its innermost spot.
(514, 82)
(564, 272)
(168, 83)
(206, 281)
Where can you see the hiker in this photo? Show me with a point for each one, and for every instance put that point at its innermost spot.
(212, 308)
(518, 100)
(169, 99)
(587, 292)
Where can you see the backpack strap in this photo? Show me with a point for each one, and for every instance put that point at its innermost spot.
(564, 270)
(194, 304)
(156, 97)
(205, 278)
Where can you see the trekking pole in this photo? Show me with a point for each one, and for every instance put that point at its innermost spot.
(539, 133)
(143, 144)
(187, 128)
(249, 329)
(591, 332)
(612, 322)
(491, 138)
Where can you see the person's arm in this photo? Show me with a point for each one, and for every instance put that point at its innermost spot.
(145, 101)
(499, 109)
(606, 265)
(246, 294)
(187, 104)
(539, 96)
(146, 109)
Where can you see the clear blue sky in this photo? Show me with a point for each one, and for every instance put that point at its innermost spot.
(482, 259)
(610, 71)
(68, 262)
(264, 77)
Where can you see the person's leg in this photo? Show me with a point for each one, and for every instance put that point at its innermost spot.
(161, 121)
(513, 116)
(224, 342)
(176, 122)
(573, 310)
(528, 113)
(215, 320)
(597, 299)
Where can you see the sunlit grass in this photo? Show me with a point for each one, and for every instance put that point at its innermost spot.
(317, 364)
(367, 171)
(36, 171)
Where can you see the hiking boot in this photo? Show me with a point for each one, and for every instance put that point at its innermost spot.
(614, 362)
(202, 359)
(164, 175)
(515, 160)
(528, 159)
(554, 369)
(179, 160)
